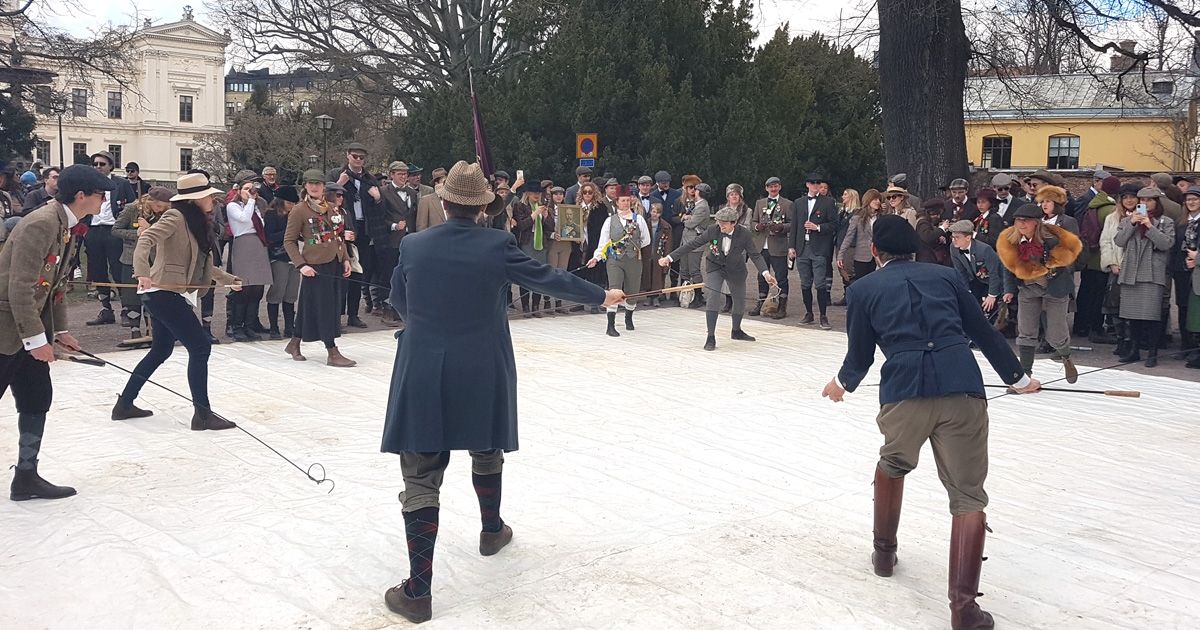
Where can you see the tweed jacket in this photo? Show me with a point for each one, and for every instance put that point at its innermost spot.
(1145, 258)
(320, 231)
(168, 255)
(126, 230)
(773, 227)
(858, 236)
(430, 212)
(33, 275)
(733, 263)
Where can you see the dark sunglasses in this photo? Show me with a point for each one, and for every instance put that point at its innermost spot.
(99, 163)
(339, 194)
(356, 156)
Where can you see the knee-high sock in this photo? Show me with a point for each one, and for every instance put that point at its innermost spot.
(1026, 356)
(31, 427)
(420, 528)
(487, 488)
(822, 300)
(711, 317)
(737, 321)
(289, 315)
(273, 315)
(806, 295)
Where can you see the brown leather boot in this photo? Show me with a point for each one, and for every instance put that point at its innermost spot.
(490, 543)
(966, 563)
(206, 420)
(337, 360)
(126, 410)
(414, 609)
(293, 348)
(889, 495)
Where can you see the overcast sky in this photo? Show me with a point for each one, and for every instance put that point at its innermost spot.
(805, 16)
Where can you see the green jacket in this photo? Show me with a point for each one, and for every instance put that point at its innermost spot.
(1104, 206)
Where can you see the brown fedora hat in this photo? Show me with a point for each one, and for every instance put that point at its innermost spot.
(465, 185)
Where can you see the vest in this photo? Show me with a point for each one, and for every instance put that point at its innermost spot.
(629, 248)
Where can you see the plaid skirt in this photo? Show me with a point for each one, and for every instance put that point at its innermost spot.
(1142, 301)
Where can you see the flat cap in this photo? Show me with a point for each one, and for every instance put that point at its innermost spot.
(893, 234)
(899, 179)
(583, 170)
(772, 180)
(558, 190)
(645, 179)
(727, 215)
(397, 166)
(77, 177)
(958, 184)
(501, 175)
(1029, 211)
(160, 193)
(815, 178)
(1047, 176)
(1002, 180)
(1101, 174)
(962, 227)
(1161, 179)
(662, 176)
(355, 146)
(1150, 192)
(312, 175)
(1130, 189)
(1193, 190)
(334, 187)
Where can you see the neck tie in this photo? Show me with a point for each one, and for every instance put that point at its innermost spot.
(259, 230)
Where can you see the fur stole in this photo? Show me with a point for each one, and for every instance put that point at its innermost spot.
(1062, 254)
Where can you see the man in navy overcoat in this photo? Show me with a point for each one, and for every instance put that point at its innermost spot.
(454, 386)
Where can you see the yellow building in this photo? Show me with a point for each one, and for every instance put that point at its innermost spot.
(297, 90)
(1139, 122)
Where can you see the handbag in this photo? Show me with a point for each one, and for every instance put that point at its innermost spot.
(1112, 293)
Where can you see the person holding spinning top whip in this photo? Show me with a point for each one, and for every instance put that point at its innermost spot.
(454, 385)
(181, 243)
(626, 235)
(728, 246)
(34, 268)
(921, 316)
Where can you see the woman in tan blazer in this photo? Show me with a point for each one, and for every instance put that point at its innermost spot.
(171, 257)
(315, 241)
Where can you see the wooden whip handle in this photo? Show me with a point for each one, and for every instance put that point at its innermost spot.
(1123, 394)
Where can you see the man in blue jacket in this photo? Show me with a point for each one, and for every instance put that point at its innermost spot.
(920, 315)
(454, 385)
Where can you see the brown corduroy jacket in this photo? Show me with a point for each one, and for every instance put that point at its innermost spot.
(318, 231)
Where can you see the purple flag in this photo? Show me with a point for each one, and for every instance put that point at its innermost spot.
(482, 151)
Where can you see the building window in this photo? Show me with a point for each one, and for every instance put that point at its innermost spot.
(185, 109)
(1064, 152)
(997, 152)
(41, 151)
(239, 107)
(230, 108)
(114, 104)
(280, 108)
(305, 107)
(42, 99)
(185, 160)
(115, 150)
(78, 149)
(321, 85)
(79, 102)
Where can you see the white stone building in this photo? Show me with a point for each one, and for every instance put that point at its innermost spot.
(179, 78)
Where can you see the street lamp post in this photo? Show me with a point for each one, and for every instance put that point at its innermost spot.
(325, 121)
(312, 161)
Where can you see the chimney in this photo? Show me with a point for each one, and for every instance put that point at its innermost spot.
(1120, 62)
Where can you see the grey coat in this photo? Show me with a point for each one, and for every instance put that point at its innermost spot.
(1145, 257)
(858, 236)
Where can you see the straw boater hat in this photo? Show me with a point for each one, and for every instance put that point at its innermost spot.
(466, 186)
(194, 186)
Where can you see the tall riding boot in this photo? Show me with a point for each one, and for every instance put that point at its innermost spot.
(237, 321)
(966, 563)
(250, 323)
(889, 495)
(612, 325)
(289, 318)
(1134, 354)
(628, 320)
(273, 320)
(782, 312)
(757, 309)
(1122, 338)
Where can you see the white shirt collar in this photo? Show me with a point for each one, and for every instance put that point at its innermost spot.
(71, 220)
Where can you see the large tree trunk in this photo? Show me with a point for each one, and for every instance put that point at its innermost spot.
(923, 53)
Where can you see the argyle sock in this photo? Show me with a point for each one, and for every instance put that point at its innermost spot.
(806, 295)
(420, 528)
(711, 317)
(31, 427)
(487, 488)
(822, 300)
(737, 321)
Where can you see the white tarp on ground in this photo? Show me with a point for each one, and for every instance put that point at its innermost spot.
(658, 486)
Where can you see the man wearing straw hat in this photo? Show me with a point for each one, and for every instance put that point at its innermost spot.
(454, 384)
(34, 265)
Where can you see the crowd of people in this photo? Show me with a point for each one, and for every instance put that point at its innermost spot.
(1136, 248)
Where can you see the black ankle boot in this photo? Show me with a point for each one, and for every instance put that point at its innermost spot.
(628, 320)
(1152, 358)
(711, 343)
(612, 326)
(28, 484)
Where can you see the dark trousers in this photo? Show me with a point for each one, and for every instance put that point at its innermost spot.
(386, 259)
(29, 381)
(1088, 318)
(103, 259)
(173, 319)
(366, 259)
(779, 268)
(863, 268)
